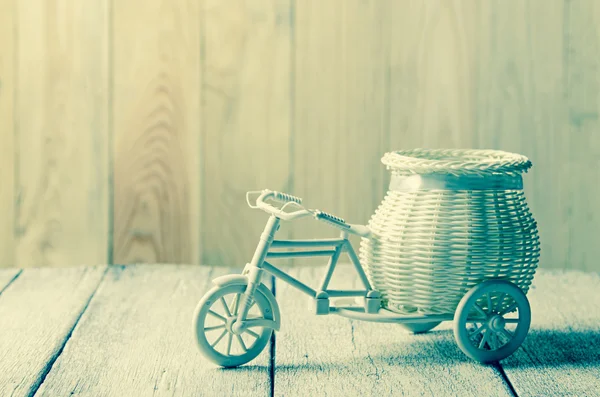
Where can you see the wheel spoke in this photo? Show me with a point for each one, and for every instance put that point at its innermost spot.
(214, 328)
(511, 320)
(509, 309)
(477, 331)
(489, 303)
(499, 301)
(254, 334)
(484, 339)
(217, 315)
(507, 334)
(225, 307)
(239, 338)
(476, 321)
(219, 338)
(479, 310)
(236, 304)
(493, 341)
(254, 318)
(229, 339)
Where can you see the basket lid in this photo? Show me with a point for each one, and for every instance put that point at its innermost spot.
(456, 161)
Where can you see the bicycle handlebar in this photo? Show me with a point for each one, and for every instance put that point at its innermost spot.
(282, 197)
(286, 198)
(266, 194)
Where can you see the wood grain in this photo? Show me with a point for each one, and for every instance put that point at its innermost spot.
(561, 355)
(157, 128)
(521, 107)
(340, 125)
(7, 149)
(37, 313)
(318, 355)
(136, 339)
(247, 100)
(536, 79)
(61, 117)
(210, 99)
(576, 162)
(431, 71)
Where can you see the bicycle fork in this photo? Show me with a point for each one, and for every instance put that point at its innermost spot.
(254, 271)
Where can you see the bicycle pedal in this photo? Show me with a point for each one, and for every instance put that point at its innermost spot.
(332, 219)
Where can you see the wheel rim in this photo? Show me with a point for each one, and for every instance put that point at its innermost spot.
(216, 313)
(492, 320)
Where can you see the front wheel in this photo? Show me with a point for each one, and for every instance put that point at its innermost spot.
(492, 320)
(214, 316)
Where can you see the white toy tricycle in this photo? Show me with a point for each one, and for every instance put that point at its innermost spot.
(234, 321)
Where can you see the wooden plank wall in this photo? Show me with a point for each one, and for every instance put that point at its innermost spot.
(247, 120)
(7, 149)
(156, 86)
(60, 132)
(131, 130)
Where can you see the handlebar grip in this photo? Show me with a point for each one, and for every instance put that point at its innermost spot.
(284, 197)
(334, 220)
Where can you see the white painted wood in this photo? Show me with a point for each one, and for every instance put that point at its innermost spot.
(335, 356)
(561, 355)
(37, 313)
(136, 339)
(7, 276)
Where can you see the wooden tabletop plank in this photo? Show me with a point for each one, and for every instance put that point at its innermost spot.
(136, 339)
(331, 355)
(37, 314)
(561, 354)
(7, 276)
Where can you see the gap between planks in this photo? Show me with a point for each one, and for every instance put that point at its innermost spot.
(10, 281)
(502, 385)
(498, 368)
(36, 386)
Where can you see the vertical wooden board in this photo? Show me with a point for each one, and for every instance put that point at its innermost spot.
(561, 354)
(62, 132)
(7, 74)
(157, 128)
(521, 108)
(431, 74)
(136, 339)
(7, 149)
(537, 95)
(37, 313)
(332, 355)
(340, 120)
(246, 107)
(580, 170)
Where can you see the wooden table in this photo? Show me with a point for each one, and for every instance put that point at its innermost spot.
(126, 331)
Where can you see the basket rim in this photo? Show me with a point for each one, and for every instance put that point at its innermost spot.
(456, 161)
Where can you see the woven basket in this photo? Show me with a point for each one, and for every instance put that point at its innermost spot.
(450, 220)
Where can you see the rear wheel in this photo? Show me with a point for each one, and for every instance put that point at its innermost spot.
(214, 316)
(492, 321)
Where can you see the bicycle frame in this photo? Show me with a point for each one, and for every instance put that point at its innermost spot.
(258, 265)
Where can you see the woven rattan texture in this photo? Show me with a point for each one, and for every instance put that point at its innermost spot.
(455, 161)
(430, 247)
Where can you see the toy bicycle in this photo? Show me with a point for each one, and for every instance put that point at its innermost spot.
(234, 320)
